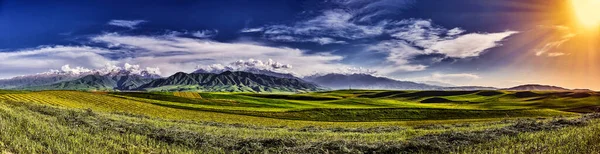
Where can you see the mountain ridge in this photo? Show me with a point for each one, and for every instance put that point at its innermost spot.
(68, 74)
(97, 82)
(536, 87)
(238, 81)
(365, 81)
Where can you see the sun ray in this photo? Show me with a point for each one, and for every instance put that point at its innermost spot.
(587, 12)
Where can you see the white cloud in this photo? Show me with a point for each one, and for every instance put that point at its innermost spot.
(284, 38)
(469, 45)
(417, 32)
(108, 68)
(435, 39)
(352, 19)
(205, 33)
(355, 70)
(562, 34)
(466, 76)
(399, 53)
(369, 10)
(252, 30)
(255, 65)
(326, 40)
(29, 61)
(556, 54)
(452, 78)
(455, 31)
(252, 65)
(410, 37)
(331, 23)
(136, 69)
(269, 65)
(131, 24)
(157, 51)
(415, 37)
(319, 40)
(68, 70)
(164, 54)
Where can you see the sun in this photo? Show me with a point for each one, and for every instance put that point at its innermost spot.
(587, 12)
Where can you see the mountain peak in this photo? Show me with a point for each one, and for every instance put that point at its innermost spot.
(238, 81)
(226, 73)
(270, 68)
(68, 73)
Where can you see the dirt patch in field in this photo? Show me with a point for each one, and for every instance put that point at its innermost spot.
(586, 109)
(422, 94)
(436, 100)
(579, 95)
(383, 94)
(489, 93)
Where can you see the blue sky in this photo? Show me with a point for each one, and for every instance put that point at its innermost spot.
(462, 42)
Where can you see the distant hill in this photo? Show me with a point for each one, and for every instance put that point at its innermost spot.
(365, 81)
(98, 82)
(468, 88)
(35, 80)
(228, 82)
(536, 87)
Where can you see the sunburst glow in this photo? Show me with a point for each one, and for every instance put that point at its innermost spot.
(587, 12)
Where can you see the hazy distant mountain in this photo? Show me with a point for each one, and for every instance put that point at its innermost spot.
(365, 81)
(536, 87)
(468, 88)
(437, 83)
(582, 90)
(35, 80)
(229, 81)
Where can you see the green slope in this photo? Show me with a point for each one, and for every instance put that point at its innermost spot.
(228, 82)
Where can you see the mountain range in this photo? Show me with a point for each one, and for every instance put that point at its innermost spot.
(230, 82)
(365, 81)
(536, 87)
(97, 82)
(76, 78)
(249, 80)
(249, 70)
(35, 80)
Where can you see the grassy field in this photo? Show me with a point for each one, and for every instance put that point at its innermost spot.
(347, 121)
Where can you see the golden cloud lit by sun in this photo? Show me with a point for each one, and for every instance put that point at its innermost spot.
(587, 12)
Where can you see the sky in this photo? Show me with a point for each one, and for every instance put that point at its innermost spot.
(498, 43)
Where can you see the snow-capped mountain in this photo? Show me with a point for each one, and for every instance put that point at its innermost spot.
(270, 68)
(67, 73)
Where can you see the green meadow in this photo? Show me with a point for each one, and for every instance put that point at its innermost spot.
(345, 121)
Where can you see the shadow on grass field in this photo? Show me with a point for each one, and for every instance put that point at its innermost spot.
(293, 97)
